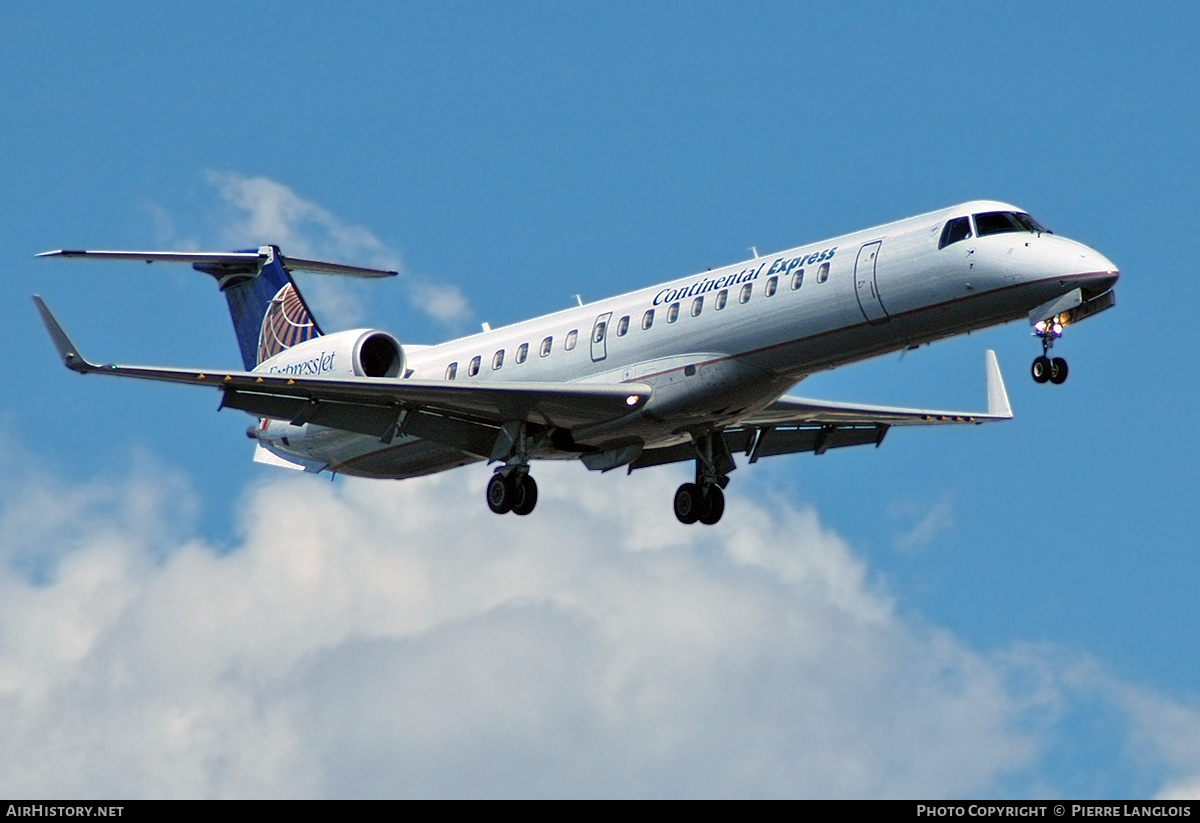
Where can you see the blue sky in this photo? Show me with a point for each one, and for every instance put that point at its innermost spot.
(1015, 603)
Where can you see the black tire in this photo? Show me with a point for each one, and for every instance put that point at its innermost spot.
(1041, 369)
(688, 501)
(500, 494)
(1058, 371)
(526, 496)
(713, 506)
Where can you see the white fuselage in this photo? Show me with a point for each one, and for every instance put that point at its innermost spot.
(712, 356)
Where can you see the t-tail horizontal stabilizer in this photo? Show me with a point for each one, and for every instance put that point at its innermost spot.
(224, 258)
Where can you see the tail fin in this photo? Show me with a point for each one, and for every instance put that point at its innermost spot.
(269, 315)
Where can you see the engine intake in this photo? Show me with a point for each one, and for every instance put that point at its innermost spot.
(379, 355)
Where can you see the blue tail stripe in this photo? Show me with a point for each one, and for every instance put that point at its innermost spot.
(269, 315)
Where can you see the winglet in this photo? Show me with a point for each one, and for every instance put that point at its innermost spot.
(66, 349)
(997, 396)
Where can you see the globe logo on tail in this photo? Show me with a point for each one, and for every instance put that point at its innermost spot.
(285, 324)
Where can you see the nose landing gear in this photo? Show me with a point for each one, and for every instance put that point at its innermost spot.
(1044, 368)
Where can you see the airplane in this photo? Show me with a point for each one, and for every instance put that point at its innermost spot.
(695, 369)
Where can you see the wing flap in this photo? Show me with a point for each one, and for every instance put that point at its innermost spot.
(792, 440)
(771, 441)
(360, 418)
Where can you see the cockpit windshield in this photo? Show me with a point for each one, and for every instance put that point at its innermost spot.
(998, 222)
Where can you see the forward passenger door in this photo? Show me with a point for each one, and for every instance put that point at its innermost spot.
(866, 286)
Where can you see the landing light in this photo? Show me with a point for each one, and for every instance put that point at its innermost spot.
(632, 400)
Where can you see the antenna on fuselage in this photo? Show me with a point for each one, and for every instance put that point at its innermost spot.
(755, 250)
(579, 299)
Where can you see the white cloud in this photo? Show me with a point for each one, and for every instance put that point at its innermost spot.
(265, 208)
(1182, 790)
(931, 523)
(443, 303)
(1164, 732)
(391, 639)
(266, 211)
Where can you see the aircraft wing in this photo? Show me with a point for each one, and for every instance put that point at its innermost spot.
(796, 424)
(461, 414)
(800, 411)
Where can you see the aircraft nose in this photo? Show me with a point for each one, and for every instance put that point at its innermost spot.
(1085, 266)
(1102, 272)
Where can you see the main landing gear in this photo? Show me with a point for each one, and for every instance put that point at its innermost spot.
(704, 500)
(697, 503)
(1044, 368)
(512, 491)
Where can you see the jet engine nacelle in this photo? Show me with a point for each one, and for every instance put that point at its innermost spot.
(354, 353)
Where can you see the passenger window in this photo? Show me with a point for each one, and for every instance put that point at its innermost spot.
(473, 369)
(648, 319)
(522, 352)
(772, 285)
(744, 297)
(549, 341)
(823, 273)
(451, 370)
(722, 296)
(498, 359)
(798, 279)
(623, 326)
(957, 229)
(697, 306)
(598, 332)
(572, 337)
(673, 313)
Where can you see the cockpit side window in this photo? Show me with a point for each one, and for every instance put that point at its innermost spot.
(999, 222)
(957, 229)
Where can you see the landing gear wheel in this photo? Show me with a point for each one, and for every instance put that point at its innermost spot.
(526, 496)
(1058, 370)
(713, 506)
(689, 500)
(1042, 369)
(500, 494)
